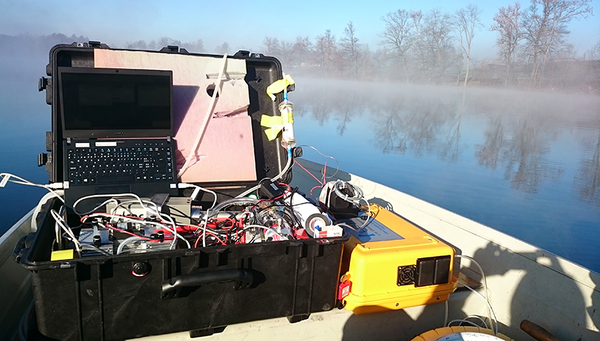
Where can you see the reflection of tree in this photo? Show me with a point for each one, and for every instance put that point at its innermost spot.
(330, 99)
(413, 122)
(389, 123)
(526, 166)
(488, 154)
(450, 150)
(589, 175)
(431, 120)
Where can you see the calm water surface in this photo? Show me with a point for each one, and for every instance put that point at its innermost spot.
(525, 163)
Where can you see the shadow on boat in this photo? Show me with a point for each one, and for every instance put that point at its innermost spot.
(526, 283)
(518, 290)
(594, 309)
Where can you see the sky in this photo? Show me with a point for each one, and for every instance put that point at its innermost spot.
(245, 24)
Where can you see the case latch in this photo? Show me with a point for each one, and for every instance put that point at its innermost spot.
(42, 159)
(43, 82)
(170, 48)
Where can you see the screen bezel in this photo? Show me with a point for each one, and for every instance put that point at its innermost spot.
(120, 132)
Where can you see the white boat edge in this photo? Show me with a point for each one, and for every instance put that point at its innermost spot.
(524, 282)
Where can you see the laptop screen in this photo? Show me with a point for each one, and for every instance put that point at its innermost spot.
(115, 103)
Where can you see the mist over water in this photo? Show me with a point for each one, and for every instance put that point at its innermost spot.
(524, 162)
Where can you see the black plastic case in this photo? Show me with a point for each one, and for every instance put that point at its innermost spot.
(261, 72)
(199, 289)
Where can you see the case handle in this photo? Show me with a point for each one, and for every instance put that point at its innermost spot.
(242, 277)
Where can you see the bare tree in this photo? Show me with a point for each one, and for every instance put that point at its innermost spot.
(140, 44)
(398, 35)
(507, 23)
(351, 48)
(195, 46)
(302, 51)
(593, 53)
(544, 26)
(467, 20)
(325, 48)
(223, 48)
(285, 52)
(439, 53)
(271, 46)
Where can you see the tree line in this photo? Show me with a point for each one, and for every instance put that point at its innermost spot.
(426, 47)
(436, 47)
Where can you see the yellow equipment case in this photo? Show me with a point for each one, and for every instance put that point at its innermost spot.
(391, 264)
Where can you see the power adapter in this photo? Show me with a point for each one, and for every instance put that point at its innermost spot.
(269, 190)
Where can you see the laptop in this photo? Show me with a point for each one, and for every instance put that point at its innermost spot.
(117, 128)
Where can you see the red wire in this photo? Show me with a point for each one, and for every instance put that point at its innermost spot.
(306, 170)
(289, 189)
(213, 223)
(212, 234)
(311, 192)
(127, 232)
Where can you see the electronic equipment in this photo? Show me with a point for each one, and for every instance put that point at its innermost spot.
(309, 215)
(116, 129)
(131, 224)
(390, 264)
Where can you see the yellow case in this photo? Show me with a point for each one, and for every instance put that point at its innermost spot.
(393, 264)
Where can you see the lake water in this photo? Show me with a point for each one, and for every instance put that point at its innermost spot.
(524, 162)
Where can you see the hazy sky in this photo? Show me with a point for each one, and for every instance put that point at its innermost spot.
(244, 24)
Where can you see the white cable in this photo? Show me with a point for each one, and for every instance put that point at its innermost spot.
(127, 241)
(463, 321)
(445, 313)
(204, 228)
(174, 231)
(209, 114)
(285, 169)
(57, 229)
(234, 201)
(197, 189)
(368, 214)
(491, 310)
(337, 168)
(486, 298)
(6, 178)
(127, 219)
(63, 224)
(38, 207)
(111, 198)
(264, 228)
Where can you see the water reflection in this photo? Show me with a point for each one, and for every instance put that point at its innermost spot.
(518, 129)
(526, 163)
(488, 153)
(588, 179)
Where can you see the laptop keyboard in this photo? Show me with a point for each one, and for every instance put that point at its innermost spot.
(123, 162)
